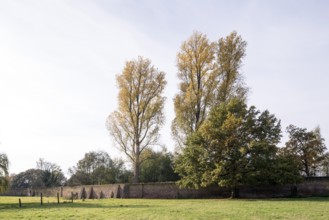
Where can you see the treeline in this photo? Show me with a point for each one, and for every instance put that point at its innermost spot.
(96, 168)
(220, 140)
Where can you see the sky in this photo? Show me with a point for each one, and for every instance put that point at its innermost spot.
(59, 60)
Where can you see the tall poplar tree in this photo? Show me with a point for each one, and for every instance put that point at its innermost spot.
(209, 74)
(230, 52)
(195, 64)
(135, 125)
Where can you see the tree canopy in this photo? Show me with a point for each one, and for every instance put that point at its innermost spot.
(236, 145)
(308, 146)
(230, 52)
(209, 74)
(31, 178)
(46, 174)
(157, 166)
(52, 174)
(98, 168)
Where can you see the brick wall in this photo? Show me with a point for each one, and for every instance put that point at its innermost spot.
(310, 187)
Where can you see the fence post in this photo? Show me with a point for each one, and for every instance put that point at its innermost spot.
(72, 196)
(142, 190)
(20, 202)
(57, 198)
(41, 201)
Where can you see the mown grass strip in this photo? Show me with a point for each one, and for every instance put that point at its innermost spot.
(308, 208)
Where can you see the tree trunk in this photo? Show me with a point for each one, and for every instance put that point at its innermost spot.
(136, 171)
(307, 170)
(234, 193)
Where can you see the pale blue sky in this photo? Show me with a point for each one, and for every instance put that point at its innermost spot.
(58, 61)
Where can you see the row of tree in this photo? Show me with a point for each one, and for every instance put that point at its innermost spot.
(251, 166)
(235, 146)
(220, 139)
(95, 168)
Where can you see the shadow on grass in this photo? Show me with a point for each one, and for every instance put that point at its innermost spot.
(6, 206)
(298, 199)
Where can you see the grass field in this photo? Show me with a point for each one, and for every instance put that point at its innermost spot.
(310, 208)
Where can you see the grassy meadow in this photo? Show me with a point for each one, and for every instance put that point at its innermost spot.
(309, 208)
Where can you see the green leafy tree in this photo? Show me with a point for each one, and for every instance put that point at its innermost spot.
(236, 145)
(308, 146)
(286, 167)
(135, 126)
(157, 167)
(52, 174)
(98, 168)
(31, 178)
(209, 74)
(4, 164)
(45, 175)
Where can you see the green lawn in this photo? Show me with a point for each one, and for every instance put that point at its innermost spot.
(310, 208)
